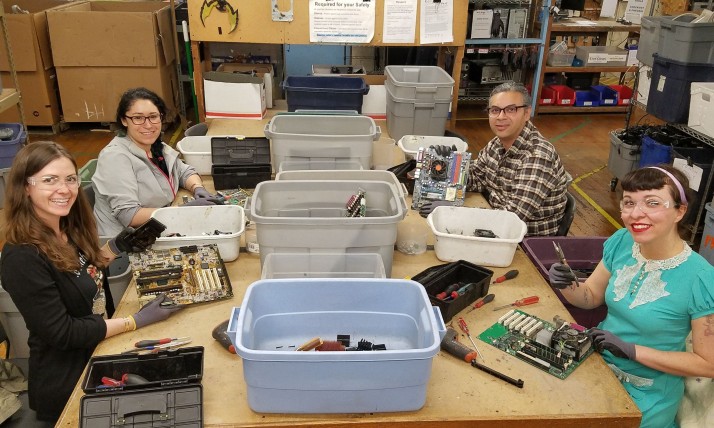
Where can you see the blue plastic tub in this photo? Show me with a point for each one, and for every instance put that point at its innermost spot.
(654, 153)
(608, 96)
(589, 98)
(324, 93)
(9, 147)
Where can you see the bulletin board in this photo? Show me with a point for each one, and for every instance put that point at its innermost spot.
(255, 23)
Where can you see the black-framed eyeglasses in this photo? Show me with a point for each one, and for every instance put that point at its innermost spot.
(140, 120)
(494, 111)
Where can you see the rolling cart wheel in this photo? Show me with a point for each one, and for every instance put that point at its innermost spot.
(613, 184)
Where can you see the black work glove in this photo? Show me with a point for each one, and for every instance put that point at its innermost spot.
(132, 240)
(428, 207)
(560, 276)
(156, 310)
(603, 339)
(444, 150)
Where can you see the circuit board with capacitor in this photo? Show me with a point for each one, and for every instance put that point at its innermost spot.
(190, 274)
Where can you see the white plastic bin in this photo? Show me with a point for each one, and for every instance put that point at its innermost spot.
(393, 312)
(297, 216)
(197, 226)
(316, 265)
(419, 82)
(196, 151)
(454, 230)
(701, 108)
(312, 137)
(350, 175)
(410, 144)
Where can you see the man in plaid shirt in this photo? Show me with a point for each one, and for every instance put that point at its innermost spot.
(519, 170)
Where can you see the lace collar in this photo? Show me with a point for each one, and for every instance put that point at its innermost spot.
(652, 265)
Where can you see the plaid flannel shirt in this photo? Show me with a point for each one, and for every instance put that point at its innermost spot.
(528, 180)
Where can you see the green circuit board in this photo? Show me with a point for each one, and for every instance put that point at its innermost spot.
(557, 348)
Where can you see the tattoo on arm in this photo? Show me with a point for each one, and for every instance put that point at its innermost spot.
(586, 295)
(709, 324)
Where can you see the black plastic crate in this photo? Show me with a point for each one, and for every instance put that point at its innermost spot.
(240, 176)
(437, 278)
(239, 151)
(324, 93)
(670, 89)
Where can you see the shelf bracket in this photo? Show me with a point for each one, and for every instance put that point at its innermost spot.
(279, 15)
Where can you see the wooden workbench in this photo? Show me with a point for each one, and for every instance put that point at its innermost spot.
(457, 394)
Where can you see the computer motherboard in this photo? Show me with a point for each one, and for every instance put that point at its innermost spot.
(555, 348)
(440, 178)
(190, 274)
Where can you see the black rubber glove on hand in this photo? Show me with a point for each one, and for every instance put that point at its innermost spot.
(154, 311)
(603, 339)
(202, 193)
(199, 203)
(560, 276)
(127, 242)
(428, 207)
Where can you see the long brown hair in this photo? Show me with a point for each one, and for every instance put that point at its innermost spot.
(23, 226)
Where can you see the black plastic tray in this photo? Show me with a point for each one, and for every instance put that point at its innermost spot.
(244, 176)
(437, 278)
(240, 151)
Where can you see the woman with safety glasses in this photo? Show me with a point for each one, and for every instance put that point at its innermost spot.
(138, 173)
(657, 291)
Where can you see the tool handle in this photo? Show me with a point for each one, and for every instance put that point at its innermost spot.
(526, 301)
(447, 292)
(153, 342)
(488, 299)
(450, 345)
(492, 372)
(508, 275)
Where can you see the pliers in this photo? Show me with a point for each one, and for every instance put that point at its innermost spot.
(563, 260)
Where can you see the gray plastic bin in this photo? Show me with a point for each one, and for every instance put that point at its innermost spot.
(424, 83)
(277, 313)
(309, 217)
(316, 265)
(326, 165)
(649, 39)
(682, 40)
(623, 157)
(410, 117)
(119, 274)
(706, 247)
(311, 137)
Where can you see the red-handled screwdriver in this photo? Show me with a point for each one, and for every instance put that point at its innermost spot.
(447, 292)
(521, 302)
(465, 328)
(508, 275)
(154, 342)
(482, 301)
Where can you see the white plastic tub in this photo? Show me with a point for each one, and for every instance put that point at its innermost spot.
(197, 226)
(454, 230)
(196, 151)
(317, 265)
(410, 144)
(393, 312)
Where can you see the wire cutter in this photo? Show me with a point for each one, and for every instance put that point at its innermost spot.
(564, 261)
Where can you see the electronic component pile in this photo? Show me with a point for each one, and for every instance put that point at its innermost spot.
(555, 348)
(440, 177)
(190, 274)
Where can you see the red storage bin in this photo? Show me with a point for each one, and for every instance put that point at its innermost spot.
(564, 95)
(547, 96)
(624, 93)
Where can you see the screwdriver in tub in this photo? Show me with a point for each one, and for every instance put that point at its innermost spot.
(508, 275)
(521, 302)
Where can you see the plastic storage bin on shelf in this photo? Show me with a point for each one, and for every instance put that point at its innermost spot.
(701, 108)
(671, 85)
(454, 230)
(410, 144)
(623, 157)
(324, 92)
(649, 39)
(564, 96)
(314, 137)
(11, 145)
(601, 56)
(547, 96)
(327, 265)
(582, 253)
(624, 94)
(350, 175)
(296, 216)
(560, 59)
(589, 98)
(685, 41)
(196, 151)
(393, 312)
(706, 247)
(198, 225)
(423, 83)
(608, 95)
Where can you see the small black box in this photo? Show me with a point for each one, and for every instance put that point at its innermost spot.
(437, 278)
(240, 162)
(243, 176)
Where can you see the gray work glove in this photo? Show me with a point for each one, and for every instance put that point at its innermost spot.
(603, 339)
(444, 150)
(199, 203)
(428, 207)
(155, 311)
(202, 193)
(560, 276)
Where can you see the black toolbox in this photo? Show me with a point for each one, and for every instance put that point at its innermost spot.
(437, 278)
(172, 397)
(240, 162)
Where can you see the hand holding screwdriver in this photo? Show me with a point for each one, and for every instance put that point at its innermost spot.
(508, 275)
(521, 302)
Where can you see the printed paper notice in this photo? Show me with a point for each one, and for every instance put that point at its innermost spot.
(634, 10)
(399, 21)
(693, 172)
(436, 21)
(343, 21)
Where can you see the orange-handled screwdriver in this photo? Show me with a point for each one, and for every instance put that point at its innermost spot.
(482, 301)
(521, 302)
(154, 342)
(508, 275)
(465, 328)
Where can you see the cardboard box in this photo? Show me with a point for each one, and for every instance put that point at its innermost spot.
(32, 58)
(261, 70)
(234, 96)
(102, 48)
